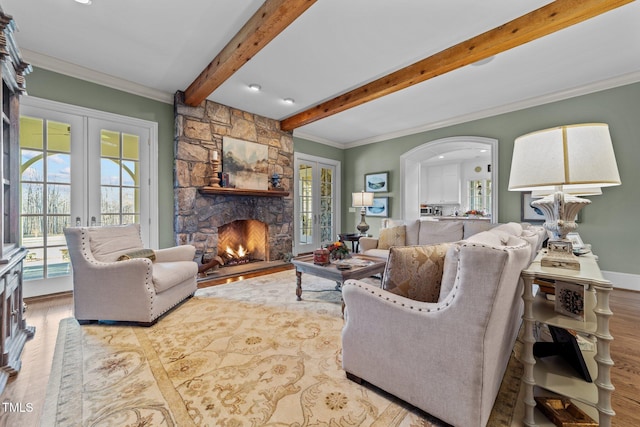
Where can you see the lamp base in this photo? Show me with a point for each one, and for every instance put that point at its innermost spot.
(363, 227)
(560, 255)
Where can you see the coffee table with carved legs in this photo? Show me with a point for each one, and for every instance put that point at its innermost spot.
(362, 266)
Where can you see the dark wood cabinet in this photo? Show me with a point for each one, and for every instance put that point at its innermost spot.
(13, 329)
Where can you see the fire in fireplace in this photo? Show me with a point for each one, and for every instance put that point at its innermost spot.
(242, 242)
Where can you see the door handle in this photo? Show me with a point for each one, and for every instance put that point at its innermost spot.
(93, 221)
(78, 221)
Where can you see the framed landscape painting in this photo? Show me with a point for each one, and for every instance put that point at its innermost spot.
(377, 182)
(247, 163)
(380, 207)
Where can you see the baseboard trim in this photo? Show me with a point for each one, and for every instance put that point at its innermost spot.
(626, 281)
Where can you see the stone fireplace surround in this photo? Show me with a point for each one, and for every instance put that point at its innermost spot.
(198, 132)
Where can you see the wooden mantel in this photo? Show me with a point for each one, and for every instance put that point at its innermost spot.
(243, 192)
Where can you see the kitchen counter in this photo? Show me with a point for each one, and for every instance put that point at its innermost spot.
(455, 218)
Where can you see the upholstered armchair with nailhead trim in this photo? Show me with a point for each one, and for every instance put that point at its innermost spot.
(447, 353)
(115, 279)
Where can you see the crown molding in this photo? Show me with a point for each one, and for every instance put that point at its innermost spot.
(611, 83)
(319, 140)
(72, 70)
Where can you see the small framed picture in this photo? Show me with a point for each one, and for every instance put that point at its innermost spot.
(377, 182)
(527, 212)
(380, 207)
(576, 241)
(570, 299)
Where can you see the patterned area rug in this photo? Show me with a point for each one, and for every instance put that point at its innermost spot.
(242, 354)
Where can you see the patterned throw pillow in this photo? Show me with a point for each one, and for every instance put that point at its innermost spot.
(138, 253)
(415, 272)
(394, 236)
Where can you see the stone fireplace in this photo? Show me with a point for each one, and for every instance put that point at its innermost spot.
(261, 223)
(243, 241)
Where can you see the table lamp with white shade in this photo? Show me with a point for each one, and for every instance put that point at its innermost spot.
(561, 164)
(362, 200)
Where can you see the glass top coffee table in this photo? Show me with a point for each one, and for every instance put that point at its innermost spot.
(356, 267)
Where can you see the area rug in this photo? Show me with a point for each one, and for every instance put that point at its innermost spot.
(243, 354)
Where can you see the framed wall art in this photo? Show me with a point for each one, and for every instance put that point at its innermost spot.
(377, 182)
(527, 212)
(380, 207)
(246, 163)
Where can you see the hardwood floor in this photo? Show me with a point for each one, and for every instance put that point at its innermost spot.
(29, 387)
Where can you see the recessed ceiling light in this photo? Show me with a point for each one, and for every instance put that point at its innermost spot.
(289, 101)
(83, 1)
(441, 157)
(483, 151)
(255, 87)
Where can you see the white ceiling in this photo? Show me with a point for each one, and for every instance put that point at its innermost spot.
(157, 47)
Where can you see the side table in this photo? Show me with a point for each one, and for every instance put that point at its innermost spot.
(551, 375)
(354, 238)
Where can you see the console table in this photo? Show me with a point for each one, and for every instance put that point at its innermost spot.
(552, 375)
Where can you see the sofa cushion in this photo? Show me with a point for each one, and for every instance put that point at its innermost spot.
(412, 230)
(472, 227)
(138, 253)
(450, 270)
(379, 253)
(169, 274)
(108, 243)
(432, 232)
(513, 228)
(415, 271)
(394, 236)
(489, 238)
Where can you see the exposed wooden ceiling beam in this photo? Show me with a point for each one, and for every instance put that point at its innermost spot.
(268, 21)
(539, 23)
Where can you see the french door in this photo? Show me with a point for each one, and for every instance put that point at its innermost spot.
(317, 202)
(79, 169)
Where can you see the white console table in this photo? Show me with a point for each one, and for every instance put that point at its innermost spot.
(555, 379)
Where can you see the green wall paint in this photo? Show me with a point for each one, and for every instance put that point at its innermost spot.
(58, 87)
(609, 223)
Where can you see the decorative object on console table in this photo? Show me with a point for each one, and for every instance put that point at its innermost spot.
(563, 412)
(569, 299)
(377, 182)
(562, 163)
(362, 200)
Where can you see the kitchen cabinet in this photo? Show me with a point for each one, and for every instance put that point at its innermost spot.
(443, 184)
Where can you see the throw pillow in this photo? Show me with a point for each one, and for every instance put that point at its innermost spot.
(415, 272)
(138, 253)
(394, 236)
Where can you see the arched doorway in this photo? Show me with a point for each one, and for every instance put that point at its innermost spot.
(410, 169)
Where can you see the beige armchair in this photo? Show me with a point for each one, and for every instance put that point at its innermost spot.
(446, 354)
(135, 289)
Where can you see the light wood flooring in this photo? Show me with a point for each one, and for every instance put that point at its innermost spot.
(45, 314)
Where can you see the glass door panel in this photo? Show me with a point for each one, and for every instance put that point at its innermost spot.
(45, 152)
(77, 170)
(316, 201)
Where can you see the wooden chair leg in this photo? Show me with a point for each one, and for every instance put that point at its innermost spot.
(356, 379)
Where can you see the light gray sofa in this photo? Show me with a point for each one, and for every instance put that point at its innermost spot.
(446, 357)
(135, 289)
(428, 232)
